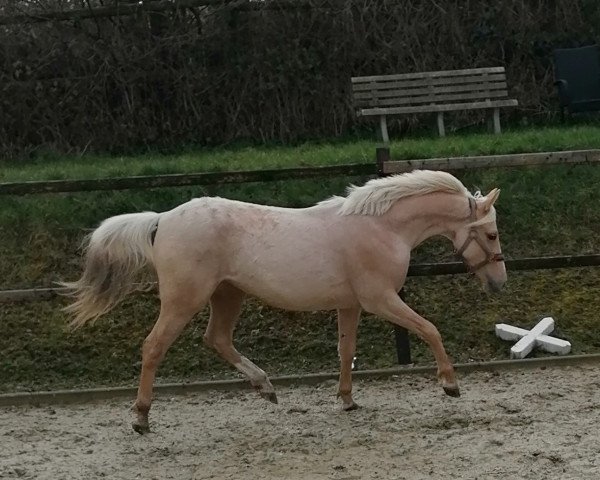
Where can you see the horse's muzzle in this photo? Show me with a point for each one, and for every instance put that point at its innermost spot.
(495, 286)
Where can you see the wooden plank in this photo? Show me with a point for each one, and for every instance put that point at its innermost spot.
(415, 270)
(437, 108)
(27, 295)
(38, 294)
(369, 86)
(434, 98)
(436, 74)
(409, 92)
(491, 161)
(517, 264)
(178, 180)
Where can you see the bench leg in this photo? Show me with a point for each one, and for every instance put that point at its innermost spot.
(497, 129)
(440, 124)
(384, 130)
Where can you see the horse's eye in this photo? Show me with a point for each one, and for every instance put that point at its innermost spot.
(492, 236)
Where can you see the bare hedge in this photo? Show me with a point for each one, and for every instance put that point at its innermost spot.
(259, 71)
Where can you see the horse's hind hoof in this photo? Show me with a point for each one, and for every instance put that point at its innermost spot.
(270, 396)
(452, 391)
(140, 428)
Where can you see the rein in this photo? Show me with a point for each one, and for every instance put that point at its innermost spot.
(491, 257)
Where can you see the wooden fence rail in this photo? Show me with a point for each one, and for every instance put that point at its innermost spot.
(384, 166)
(415, 270)
(185, 179)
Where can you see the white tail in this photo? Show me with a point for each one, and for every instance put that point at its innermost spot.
(114, 253)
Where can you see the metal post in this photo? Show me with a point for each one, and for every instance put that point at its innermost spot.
(402, 341)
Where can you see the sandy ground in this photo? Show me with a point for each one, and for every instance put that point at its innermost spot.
(540, 424)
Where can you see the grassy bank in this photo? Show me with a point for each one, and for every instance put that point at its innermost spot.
(52, 167)
(541, 211)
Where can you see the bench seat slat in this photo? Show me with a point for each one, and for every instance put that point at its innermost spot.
(437, 99)
(395, 84)
(439, 108)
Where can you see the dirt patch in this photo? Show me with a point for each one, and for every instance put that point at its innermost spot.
(532, 424)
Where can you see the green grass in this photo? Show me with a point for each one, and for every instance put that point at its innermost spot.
(53, 167)
(541, 211)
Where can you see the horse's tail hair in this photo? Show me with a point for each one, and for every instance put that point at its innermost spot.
(113, 254)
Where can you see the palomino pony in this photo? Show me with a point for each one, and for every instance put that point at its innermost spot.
(346, 253)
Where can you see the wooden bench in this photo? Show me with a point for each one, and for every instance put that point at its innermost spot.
(434, 92)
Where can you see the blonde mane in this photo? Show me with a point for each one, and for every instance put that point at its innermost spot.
(377, 196)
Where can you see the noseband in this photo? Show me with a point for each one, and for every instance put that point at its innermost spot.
(490, 257)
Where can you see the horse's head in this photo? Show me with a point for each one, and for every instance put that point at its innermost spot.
(478, 243)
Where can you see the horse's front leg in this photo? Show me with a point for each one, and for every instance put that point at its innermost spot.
(389, 306)
(347, 328)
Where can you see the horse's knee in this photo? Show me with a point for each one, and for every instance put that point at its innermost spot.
(429, 333)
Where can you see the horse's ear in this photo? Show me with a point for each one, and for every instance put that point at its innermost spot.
(490, 199)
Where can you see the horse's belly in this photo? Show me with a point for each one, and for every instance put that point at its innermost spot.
(290, 294)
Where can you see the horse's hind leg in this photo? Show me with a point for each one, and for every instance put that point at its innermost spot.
(180, 301)
(225, 309)
(347, 328)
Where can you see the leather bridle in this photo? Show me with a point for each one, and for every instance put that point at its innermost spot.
(490, 257)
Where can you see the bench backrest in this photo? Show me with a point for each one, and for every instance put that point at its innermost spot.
(420, 91)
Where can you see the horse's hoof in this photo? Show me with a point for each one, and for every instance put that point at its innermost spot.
(452, 391)
(349, 407)
(140, 428)
(270, 396)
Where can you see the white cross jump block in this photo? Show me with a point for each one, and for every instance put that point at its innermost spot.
(536, 337)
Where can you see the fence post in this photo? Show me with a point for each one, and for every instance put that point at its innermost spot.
(402, 341)
(382, 155)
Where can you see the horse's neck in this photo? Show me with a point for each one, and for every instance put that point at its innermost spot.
(420, 217)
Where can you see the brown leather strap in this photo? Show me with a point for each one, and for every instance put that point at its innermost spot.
(491, 257)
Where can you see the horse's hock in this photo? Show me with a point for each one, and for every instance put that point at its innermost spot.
(432, 92)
